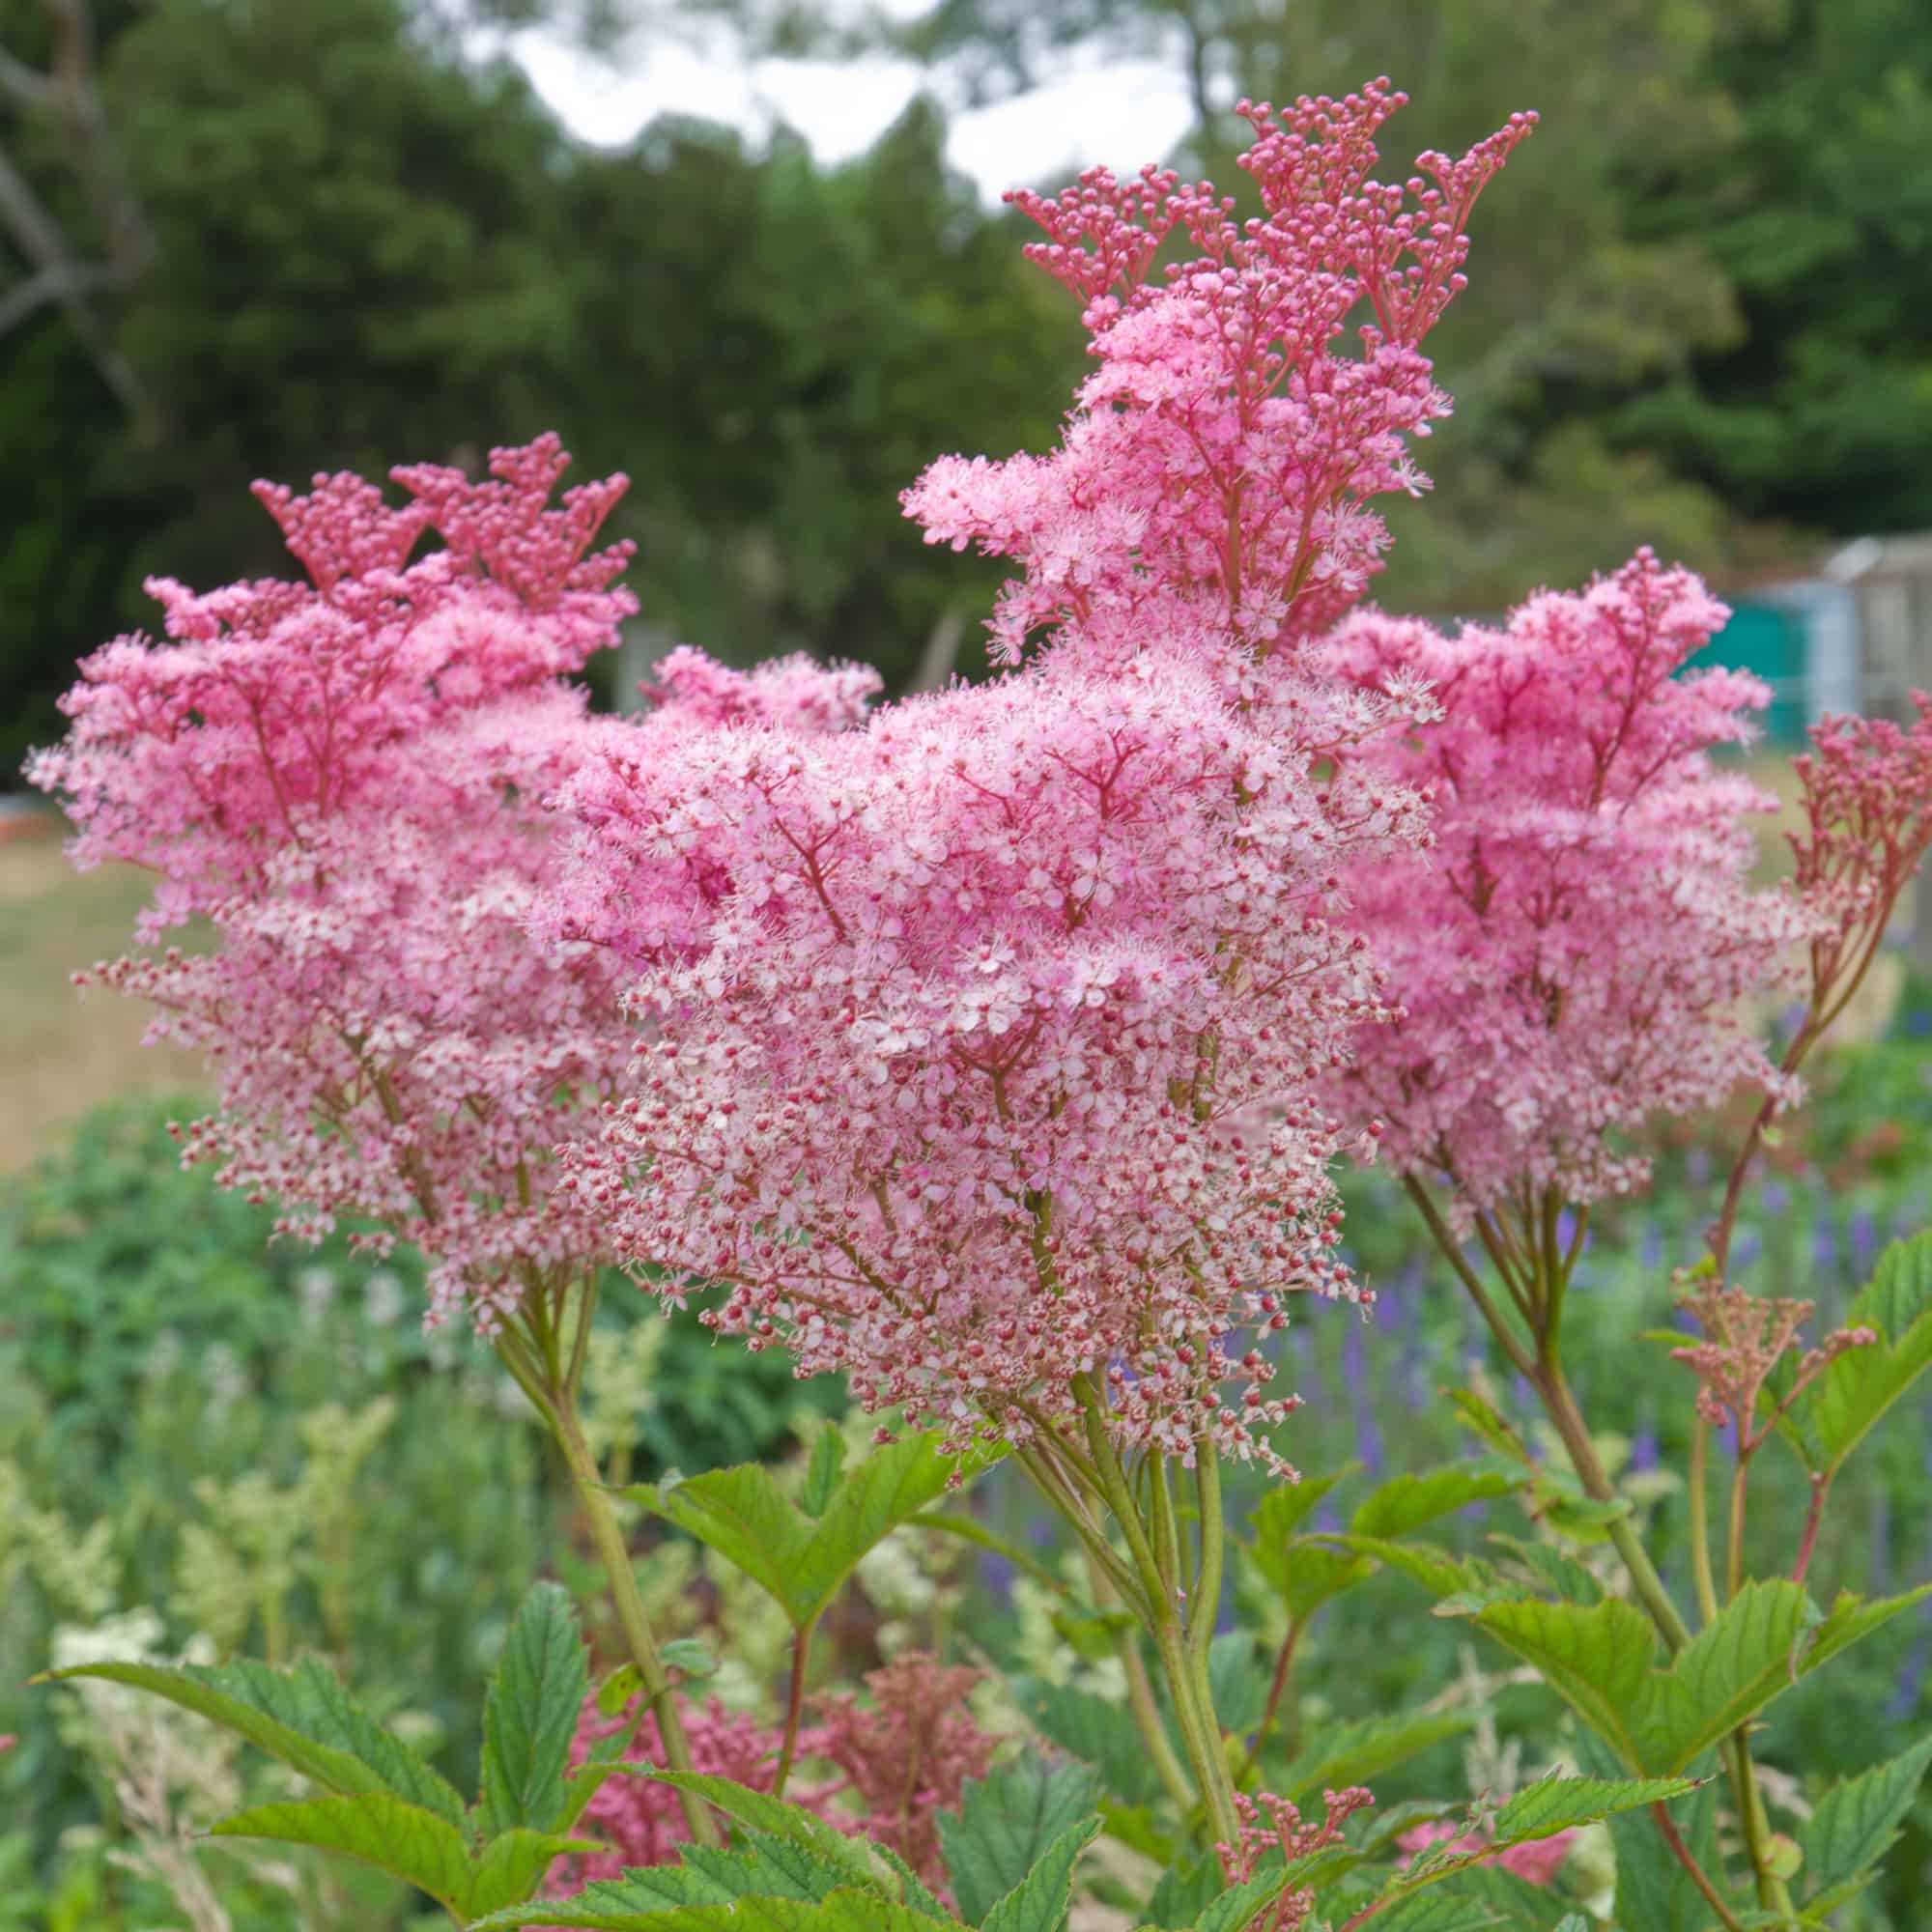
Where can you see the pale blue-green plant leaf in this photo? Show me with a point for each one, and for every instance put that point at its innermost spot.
(1857, 1821)
(531, 1714)
(1004, 1823)
(1039, 1902)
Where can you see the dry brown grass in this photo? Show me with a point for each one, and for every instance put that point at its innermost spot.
(63, 1052)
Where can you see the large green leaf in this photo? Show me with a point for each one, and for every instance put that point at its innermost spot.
(1305, 1572)
(633, 1903)
(410, 1844)
(1597, 1657)
(1039, 1902)
(1841, 1407)
(1406, 1502)
(305, 1719)
(1541, 1811)
(1858, 1820)
(800, 1562)
(1517, 1903)
(1185, 1890)
(1439, 1911)
(768, 1867)
(1732, 1668)
(1439, 1571)
(782, 1819)
(1003, 1825)
(1853, 1618)
(1354, 1752)
(1654, 1892)
(1094, 1731)
(530, 1715)
(1601, 1659)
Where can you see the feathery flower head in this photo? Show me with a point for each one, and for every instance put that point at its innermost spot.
(1578, 949)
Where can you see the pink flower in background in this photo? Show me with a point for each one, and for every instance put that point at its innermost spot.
(1582, 945)
(899, 1758)
(1536, 1861)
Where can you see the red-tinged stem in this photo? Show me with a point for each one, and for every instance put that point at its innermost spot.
(1284, 1662)
(1674, 1838)
(1820, 1485)
(801, 1642)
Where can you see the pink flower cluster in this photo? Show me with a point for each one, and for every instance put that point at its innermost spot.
(1536, 1860)
(1868, 796)
(1580, 948)
(1211, 488)
(982, 1043)
(897, 1761)
(1270, 1825)
(343, 777)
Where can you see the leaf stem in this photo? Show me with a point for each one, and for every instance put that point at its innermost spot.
(1714, 1898)
(801, 1644)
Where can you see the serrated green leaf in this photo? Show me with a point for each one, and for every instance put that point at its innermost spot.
(1553, 1805)
(1653, 1890)
(1597, 1657)
(531, 1714)
(768, 1867)
(1560, 1574)
(512, 1865)
(1406, 1502)
(1845, 1403)
(913, 1890)
(1734, 1666)
(1185, 1890)
(1439, 1572)
(317, 1732)
(1858, 1820)
(1310, 1572)
(1519, 1905)
(1003, 1825)
(1853, 1618)
(780, 1819)
(1234, 1909)
(1288, 1506)
(1353, 1753)
(1438, 1912)
(1039, 1902)
(742, 1515)
(821, 1473)
(411, 1844)
(629, 1904)
(1237, 1680)
(1094, 1731)
(1486, 1421)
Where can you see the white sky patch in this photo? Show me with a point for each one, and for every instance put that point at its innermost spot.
(1120, 113)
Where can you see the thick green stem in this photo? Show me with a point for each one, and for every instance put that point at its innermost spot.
(1205, 1605)
(609, 1536)
(1142, 1702)
(1561, 1407)
(1200, 1732)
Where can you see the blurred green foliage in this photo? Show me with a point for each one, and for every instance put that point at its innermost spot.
(1693, 316)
